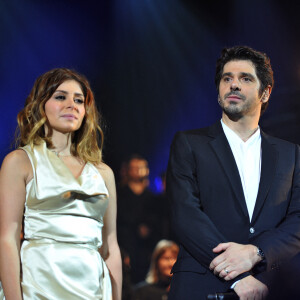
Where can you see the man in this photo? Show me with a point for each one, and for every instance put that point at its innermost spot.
(137, 219)
(235, 191)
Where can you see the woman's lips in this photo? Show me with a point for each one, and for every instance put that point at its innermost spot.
(69, 116)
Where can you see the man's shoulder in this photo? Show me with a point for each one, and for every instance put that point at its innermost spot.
(279, 142)
(197, 131)
(204, 133)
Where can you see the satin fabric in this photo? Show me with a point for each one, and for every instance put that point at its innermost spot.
(1, 292)
(63, 223)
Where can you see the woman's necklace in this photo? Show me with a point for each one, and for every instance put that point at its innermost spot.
(58, 154)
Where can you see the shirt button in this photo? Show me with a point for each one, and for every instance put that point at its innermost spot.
(252, 230)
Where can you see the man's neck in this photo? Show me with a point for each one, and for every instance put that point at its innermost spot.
(243, 127)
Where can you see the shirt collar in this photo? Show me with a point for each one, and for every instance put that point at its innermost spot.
(232, 136)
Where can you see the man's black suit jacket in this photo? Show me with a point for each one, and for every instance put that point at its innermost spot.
(208, 205)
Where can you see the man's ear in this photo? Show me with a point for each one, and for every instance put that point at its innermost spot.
(266, 94)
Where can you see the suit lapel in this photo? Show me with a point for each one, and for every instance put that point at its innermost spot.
(268, 168)
(226, 159)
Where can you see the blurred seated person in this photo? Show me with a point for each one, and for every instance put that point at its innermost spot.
(137, 219)
(157, 284)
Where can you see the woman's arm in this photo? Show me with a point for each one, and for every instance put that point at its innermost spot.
(110, 250)
(15, 173)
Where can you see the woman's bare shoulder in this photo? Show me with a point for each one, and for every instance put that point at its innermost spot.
(17, 161)
(106, 172)
(16, 157)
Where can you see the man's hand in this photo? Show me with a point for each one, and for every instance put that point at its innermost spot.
(234, 260)
(250, 288)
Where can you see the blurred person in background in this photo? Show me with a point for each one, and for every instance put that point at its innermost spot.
(157, 284)
(137, 215)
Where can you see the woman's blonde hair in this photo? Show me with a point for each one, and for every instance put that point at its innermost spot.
(162, 246)
(87, 141)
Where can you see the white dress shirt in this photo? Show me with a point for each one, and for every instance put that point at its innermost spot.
(248, 159)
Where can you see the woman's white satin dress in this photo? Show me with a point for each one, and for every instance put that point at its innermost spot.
(63, 231)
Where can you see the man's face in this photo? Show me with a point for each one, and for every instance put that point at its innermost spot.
(138, 169)
(239, 89)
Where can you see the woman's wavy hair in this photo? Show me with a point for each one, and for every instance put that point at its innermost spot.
(87, 141)
(162, 246)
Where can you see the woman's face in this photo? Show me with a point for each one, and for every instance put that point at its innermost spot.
(166, 262)
(65, 109)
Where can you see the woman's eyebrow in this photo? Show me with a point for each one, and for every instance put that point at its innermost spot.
(65, 92)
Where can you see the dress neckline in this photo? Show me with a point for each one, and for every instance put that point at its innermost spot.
(66, 167)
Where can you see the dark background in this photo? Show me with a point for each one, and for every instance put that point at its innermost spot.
(151, 64)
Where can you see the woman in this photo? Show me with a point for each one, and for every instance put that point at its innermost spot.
(158, 279)
(58, 182)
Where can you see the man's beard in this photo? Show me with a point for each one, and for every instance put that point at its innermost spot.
(235, 110)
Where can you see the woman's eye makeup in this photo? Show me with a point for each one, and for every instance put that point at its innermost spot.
(60, 97)
(63, 97)
(78, 100)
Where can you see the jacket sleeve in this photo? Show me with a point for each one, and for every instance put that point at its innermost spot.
(193, 228)
(283, 242)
